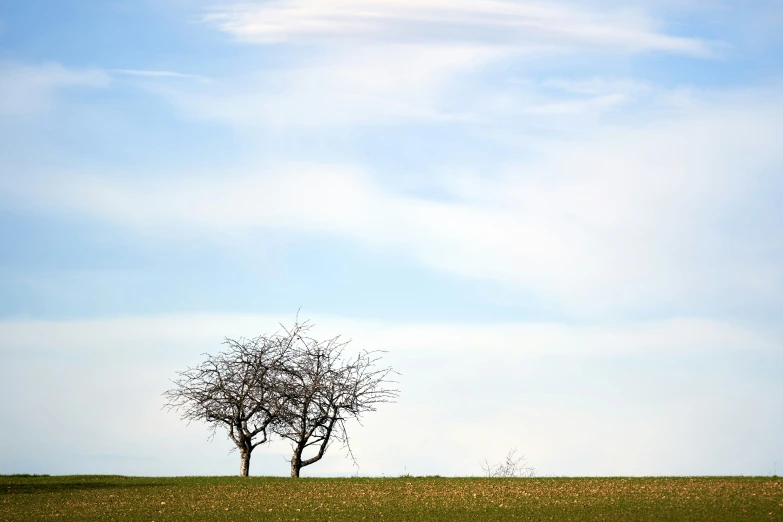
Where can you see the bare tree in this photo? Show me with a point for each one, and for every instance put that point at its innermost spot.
(513, 466)
(323, 388)
(236, 390)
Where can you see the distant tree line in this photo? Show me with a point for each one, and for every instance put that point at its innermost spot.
(288, 384)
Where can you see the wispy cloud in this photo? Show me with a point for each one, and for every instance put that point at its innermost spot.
(496, 22)
(28, 88)
(626, 218)
(380, 61)
(392, 84)
(160, 74)
(374, 85)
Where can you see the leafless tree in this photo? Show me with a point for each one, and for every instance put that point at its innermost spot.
(323, 389)
(513, 466)
(236, 390)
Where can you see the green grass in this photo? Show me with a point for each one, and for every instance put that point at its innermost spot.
(406, 498)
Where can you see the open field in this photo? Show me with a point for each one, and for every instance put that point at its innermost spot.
(405, 498)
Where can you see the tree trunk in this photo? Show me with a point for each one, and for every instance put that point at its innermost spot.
(296, 463)
(244, 466)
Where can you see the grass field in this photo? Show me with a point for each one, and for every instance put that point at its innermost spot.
(413, 499)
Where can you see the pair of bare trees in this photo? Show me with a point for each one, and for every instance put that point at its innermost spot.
(287, 384)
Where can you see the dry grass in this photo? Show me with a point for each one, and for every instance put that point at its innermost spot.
(278, 499)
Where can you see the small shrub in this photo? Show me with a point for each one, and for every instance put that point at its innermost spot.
(512, 466)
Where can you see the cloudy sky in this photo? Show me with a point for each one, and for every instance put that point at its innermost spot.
(563, 220)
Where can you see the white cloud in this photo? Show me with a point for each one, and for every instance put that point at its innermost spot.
(598, 85)
(582, 106)
(387, 84)
(178, 336)
(159, 74)
(372, 85)
(385, 61)
(26, 89)
(563, 394)
(498, 22)
(624, 219)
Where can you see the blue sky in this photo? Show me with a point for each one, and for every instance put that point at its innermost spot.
(565, 215)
